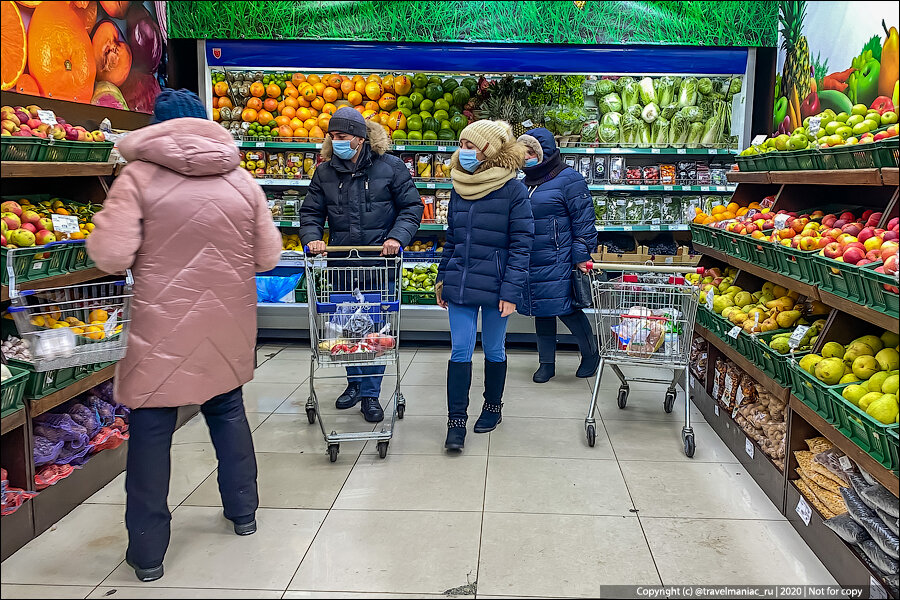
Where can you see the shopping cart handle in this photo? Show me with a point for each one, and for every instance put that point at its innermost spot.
(643, 268)
(353, 248)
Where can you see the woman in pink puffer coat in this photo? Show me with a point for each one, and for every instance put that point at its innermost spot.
(194, 228)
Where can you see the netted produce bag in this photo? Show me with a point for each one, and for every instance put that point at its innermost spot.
(50, 474)
(11, 498)
(45, 450)
(87, 418)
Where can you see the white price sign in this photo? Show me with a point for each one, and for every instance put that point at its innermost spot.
(260, 144)
(803, 509)
(65, 223)
(430, 186)
(734, 332)
(527, 123)
(709, 299)
(797, 336)
(591, 150)
(815, 123)
(47, 116)
(705, 188)
(627, 228)
(654, 150)
(749, 448)
(400, 147)
(716, 409)
(643, 187)
(442, 148)
(668, 188)
(756, 141)
(876, 590)
(681, 151)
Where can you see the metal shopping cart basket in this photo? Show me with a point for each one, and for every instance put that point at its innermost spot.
(354, 316)
(74, 325)
(645, 317)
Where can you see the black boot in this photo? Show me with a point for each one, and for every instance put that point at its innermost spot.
(349, 398)
(578, 324)
(145, 575)
(545, 330)
(459, 380)
(494, 382)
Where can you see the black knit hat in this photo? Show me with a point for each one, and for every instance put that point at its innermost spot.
(348, 120)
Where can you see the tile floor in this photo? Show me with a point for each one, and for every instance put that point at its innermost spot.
(526, 511)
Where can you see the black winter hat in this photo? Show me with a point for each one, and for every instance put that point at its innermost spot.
(348, 120)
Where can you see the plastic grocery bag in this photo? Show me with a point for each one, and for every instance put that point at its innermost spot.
(847, 529)
(886, 540)
(276, 289)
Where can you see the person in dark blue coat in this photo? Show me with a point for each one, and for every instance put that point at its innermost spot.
(484, 266)
(564, 237)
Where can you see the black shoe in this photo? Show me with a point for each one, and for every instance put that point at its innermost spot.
(494, 382)
(349, 398)
(146, 575)
(588, 366)
(245, 528)
(456, 434)
(371, 410)
(459, 380)
(544, 373)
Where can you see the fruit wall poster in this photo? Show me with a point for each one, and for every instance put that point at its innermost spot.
(841, 56)
(108, 53)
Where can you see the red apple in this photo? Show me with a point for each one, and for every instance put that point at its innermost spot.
(832, 250)
(11, 206)
(786, 233)
(11, 220)
(891, 265)
(890, 236)
(893, 223)
(888, 249)
(828, 220)
(852, 228)
(866, 213)
(857, 245)
(847, 216)
(29, 216)
(823, 241)
(865, 234)
(839, 223)
(44, 237)
(809, 243)
(29, 227)
(864, 261)
(853, 255)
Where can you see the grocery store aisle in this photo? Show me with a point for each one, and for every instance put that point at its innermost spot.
(528, 510)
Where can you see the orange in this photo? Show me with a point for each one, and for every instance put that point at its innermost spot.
(329, 108)
(309, 123)
(330, 94)
(254, 103)
(313, 112)
(320, 88)
(291, 92)
(727, 215)
(87, 12)
(249, 115)
(373, 77)
(402, 85)
(215, 114)
(280, 107)
(308, 92)
(355, 98)
(296, 123)
(61, 57)
(215, 99)
(742, 211)
(360, 109)
(347, 86)
(387, 101)
(356, 78)
(733, 206)
(14, 45)
(388, 83)
(360, 86)
(323, 122)
(303, 103)
(282, 120)
(318, 103)
(301, 133)
(372, 105)
(62, 211)
(285, 131)
(368, 114)
(291, 102)
(98, 315)
(270, 104)
(257, 89)
(273, 91)
(384, 118)
(303, 114)
(332, 80)
(27, 85)
(397, 120)
(298, 78)
(225, 102)
(221, 88)
(316, 134)
(709, 220)
(264, 117)
(374, 90)
(313, 78)
(289, 112)
(718, 209)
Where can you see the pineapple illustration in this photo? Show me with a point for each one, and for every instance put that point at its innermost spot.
(795, 75)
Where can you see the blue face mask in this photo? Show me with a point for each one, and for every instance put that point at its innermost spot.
(531, 162)
(468, 160)
(342, 149)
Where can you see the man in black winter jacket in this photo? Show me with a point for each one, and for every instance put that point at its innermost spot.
(368, 198)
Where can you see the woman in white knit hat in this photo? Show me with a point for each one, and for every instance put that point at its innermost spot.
(484, 266)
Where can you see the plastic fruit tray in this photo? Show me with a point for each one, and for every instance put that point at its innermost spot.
(700, 234)
(758, 252)
(877, 296)
(772, 363)
(79, 259)
(21, 148)
(839, 278)
(13, 390)
(882, 153)
(873, 436)
(812, 392)
(71, 151)
(797, 264)
(36, 263)
(44, 383)
(802, 160)
(416, 297)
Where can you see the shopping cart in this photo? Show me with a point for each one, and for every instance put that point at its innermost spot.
(645, 317)
(354, 317)
(75, 325)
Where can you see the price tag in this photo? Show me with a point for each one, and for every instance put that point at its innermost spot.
(318, 146)
(681, 151)
(37, 265)
(260, 144)
(721, 188)
(875, 589)
(797, 336)
(804, 510)
(845, 463)
(654, 228)
(815, 123)
(295, 223)
(620, 202)
(591, 150)
(655, 221)
(749, 448)
(47, 116)
(709, 299)
(400, 147)
(643, 187)
(430, 186)
(442, 148)
(734, 332)
(109, 327)
(628, 228)
(781, 221)
(716, 409)
(654, 150)
(705, 188)
(527, 123)
(267, 182)
(759, 139)
(65, 223)
(755, 320)
(734, 411)
(668, 188)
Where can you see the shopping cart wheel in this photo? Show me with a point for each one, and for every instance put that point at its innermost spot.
(669, 402)
(311, 415)
(623, 396)
(401, 406)
(591, 435)
(688, 444)
(333, 450)
(382, 449)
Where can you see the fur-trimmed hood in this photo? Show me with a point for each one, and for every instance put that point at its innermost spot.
(491, 175)
(377, 139)
(511, 156)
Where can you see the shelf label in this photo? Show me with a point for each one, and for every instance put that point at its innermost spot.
(709, 299)
(47, 116)
(430, 186)
(442, 148)
(875, 589)
(620, 202)
(680, 151)
(716, 408)
(668, 188)
(845, 463)
(260, 144)
(749, 448)
(295, 223)
(643, 187)
(655, 228)
(400, 147)
(654, 150)
(527, 123)
(591, 150)
(759, 139)
(655, 221)
(705, 188)
(721, 188)
(804, 510)
(627, 228)
(734, 332)
(797, 336)
(65, 223)
(815, 123)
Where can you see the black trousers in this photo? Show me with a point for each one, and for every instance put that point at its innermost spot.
(148, 470)
(578, 324)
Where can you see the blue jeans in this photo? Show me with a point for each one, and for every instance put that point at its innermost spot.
(463, 329)
(369, 387)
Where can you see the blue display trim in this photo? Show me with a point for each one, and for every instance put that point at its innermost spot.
(475, 58)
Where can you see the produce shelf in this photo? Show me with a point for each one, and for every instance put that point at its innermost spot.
(834, 177)
(859, 310)
(18, 529)
(665, 151)
(11, 421)
(887, 478)
(56, 169)
(644, 227)
(748, 176)
(42, 405)
(661, 188)
(889, 175)
(73, 278)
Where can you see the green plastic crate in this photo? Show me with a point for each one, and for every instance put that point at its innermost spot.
(751, 162)
(79, 259)
(758, 252)
(778, 161)
(71, 151)
(722, 240)
(839, 278)
(812, 392)
(700, 234)
(877, 296)
(772, 363)
(21, 148)
(36, 263)
(412, 297)
(797, 264)
(11, 397)
(802, 160)
(888, 152)
(876, 438)
(44, 383)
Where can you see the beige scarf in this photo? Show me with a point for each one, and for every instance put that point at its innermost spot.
(477, 185)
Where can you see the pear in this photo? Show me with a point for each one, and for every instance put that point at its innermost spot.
(891, 384)
(868, 399)
(780, 345)
(830, 370)
(849, 378)
(872, 341)
(890, 339)
(742, 299)
(876, 381)
(857, 349)
(779, 291)
(808, 363)
(888, 358)
(853, 393)
(884, 409)
(733, 289)
(833, 350)
(768, 287)
(865, 366)
(787, 318)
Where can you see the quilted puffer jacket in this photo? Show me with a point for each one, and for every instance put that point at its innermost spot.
(194, 228)
(365, 202)
(564, 232)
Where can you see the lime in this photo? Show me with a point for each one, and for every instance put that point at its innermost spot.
(426, 105)
(398, 134)
(429, 135)
(441, 114)
(414, 135)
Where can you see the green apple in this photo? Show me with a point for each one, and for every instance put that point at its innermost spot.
(861, 128)
(855, 119)
(806, 122)
(859, 109)
(834, 140)
(873, 124)
(781, 142)
(889, 118)
(832, 127)
(797, 142)
(799, 131)
(845, 131)
(842, 117)
(821, 133)
(874, 115)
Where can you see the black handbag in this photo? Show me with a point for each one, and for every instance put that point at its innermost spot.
(581, 289)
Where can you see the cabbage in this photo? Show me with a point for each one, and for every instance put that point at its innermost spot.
(734, 86)
(621, 82)
(665, 92)
(609, 134)
(645, 134)
(634, 110)
(629, 129)
(692, 113)
(678, 130)
(694, 135)
(660, 133)
(631, 94)
(687, 93)
(604, 87)
(589, 131)
(610, 103)
(647, 91)
(611, 118)
(650, 112)
(705, 86)
(706, 108)
(668, 111)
